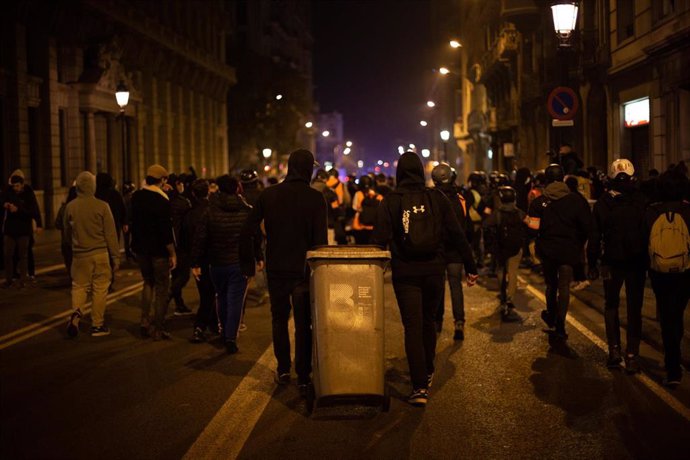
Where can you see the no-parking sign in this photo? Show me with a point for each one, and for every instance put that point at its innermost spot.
(562, 103)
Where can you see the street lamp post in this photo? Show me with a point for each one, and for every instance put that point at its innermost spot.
(564, 21)
(122, 97)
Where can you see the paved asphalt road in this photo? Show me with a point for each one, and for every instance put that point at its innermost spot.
(502, 393)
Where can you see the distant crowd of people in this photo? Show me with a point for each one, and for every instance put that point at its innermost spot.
(238, 236)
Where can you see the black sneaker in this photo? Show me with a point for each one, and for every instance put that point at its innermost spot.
(73, 324)
(99, 331)
(672, 380)
(198, 336)
(419, 397)
(614, 360)
(459, 333)
(303, 386)
(282, 378)
(632, 365)
(548, 319)
(509, 315)
(182, 310)
(231, 347)
(161, 334)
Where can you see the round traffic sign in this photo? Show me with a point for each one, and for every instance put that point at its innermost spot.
(562, 103)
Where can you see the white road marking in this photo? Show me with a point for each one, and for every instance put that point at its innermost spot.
(230, 428)
(35, 329)
(654, 387)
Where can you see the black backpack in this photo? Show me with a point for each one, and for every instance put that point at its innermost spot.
(421, 236)
(510, 234)
(370, 204)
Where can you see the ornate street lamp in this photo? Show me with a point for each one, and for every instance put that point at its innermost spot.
(564, 20)
(122, 98)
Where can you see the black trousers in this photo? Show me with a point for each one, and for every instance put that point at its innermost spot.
(634, 279)
(672, 291)
(180, 277)
(418, 298)
(557, 277)
(287, 293)
(207, 314)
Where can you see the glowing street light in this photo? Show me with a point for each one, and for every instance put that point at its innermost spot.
(423, 123)
(430, 104)
(444, 71)
(455, 44)
(413, 147)
(326, 133)
(445, 135)
(386, 164)
(564, 20)
(426, 153)
(360, 164)
(380, 162)
(347, 151)
(348, 144)
(267, 153)
(401, 149)
(308, 124)
(279, 97)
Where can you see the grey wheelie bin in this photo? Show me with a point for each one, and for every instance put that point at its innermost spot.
(347, 326)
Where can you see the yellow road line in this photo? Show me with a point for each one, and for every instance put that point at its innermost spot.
(654, 387)
(35, 329)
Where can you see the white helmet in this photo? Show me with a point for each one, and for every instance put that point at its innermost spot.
(619, 166)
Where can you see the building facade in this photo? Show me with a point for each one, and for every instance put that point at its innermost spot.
(60, 63)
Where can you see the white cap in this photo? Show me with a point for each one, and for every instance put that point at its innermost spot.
(621, 165)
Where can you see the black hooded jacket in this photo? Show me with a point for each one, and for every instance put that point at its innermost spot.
(294, 216)
(105, 190)
(388, 230)
(618, 229)
(217, 235)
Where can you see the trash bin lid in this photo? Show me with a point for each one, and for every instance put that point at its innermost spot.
(348, 252)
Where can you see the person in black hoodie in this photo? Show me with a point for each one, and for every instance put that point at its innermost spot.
(561, 221)
(179, 207)
(105, 191)
(206, 315)
(294, 216)
(442, 176)
(618, 240)
(418, 271)
(216, 239)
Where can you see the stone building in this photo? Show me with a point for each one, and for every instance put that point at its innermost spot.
(60, 63)
(625, 57)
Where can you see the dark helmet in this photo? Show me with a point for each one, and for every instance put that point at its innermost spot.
(476, 178)
(554, 173)
(540, 179)
(366, 182)
(321, 175)
(333, 172)
(506, 194)
(453, 175)
(441, 174)
(248, 175)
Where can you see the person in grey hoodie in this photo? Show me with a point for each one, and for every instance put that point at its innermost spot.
(89, 225)
(561, 220)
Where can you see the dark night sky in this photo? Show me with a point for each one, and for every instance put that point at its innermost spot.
(370, 62)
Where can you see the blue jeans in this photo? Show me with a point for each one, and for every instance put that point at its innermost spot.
(231, 286)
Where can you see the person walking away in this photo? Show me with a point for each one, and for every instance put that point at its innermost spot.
(206, 315)
(569, 160)
(334, 211)
(444, 181)
(152, 242)
(21, 208)
(580, 280)
(217, 237)
(344, 202)
(294, 216)
(667, 224)
(561, 221)
(414, 222)
(508, 232)
(365, 203)
(105, 191)
(179, 207)
(475, 206)
(618, 240)
(90, 227)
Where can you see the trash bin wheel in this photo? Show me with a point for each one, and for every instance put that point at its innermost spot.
(386, 402)
(310, 398)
